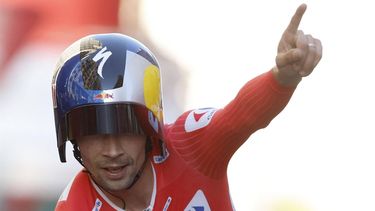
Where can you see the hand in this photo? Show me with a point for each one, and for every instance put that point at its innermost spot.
(297, 53)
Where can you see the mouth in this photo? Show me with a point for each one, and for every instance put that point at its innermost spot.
(115, 172)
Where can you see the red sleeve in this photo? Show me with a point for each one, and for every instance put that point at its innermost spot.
(210, 148)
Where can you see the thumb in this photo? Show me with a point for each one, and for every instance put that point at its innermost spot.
(288, 58)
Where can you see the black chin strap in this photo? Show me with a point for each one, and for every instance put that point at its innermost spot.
(77, 153)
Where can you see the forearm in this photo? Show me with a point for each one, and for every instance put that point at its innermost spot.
(257, 103)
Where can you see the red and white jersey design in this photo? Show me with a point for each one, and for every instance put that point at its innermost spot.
(192, 177)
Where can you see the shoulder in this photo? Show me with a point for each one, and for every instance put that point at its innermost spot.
(192, 120)
(71, 198)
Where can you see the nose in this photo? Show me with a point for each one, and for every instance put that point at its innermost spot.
(112, 147)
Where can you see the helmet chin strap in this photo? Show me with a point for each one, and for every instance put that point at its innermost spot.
(77, 153)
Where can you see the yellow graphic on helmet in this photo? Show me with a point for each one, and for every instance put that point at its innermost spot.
(152, 95)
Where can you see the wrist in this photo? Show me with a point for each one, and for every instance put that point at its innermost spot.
(286, 79)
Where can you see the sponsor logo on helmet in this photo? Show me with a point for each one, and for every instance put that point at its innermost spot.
(199, 118)
(103, 96)
(198, 203)
(102, 67)
(102, 55)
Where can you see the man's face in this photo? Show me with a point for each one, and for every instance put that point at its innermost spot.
(113, 160)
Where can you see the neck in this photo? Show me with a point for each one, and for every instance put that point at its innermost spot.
(138, 197)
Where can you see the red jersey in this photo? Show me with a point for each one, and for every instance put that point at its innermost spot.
(192, 176)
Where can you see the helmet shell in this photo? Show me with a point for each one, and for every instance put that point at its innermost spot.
(106, 84)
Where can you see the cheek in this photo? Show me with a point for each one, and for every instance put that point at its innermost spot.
(90, 162)
(88, 154)
(134, 148)
(85, 158)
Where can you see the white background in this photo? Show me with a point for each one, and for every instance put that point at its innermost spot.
(318, 154)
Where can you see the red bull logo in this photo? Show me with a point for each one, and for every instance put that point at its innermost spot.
(103, 96)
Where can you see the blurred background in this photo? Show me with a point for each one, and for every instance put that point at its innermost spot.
(317, 155)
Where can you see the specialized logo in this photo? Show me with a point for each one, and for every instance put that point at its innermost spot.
(102, 55)
(198, 203)
(98, 205)
(199, 118)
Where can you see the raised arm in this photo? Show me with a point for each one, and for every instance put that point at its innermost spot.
(207, 139)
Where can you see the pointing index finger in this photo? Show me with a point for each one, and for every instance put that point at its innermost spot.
(296, 19)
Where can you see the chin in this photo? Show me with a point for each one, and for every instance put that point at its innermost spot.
(118, 185)
(115, 186)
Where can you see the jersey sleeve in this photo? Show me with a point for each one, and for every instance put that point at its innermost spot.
(207, 138)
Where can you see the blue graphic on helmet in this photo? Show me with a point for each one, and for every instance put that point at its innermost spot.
(91, 72)
(83, 84)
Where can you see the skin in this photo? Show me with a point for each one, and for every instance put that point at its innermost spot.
(113, 162)
(297, 53)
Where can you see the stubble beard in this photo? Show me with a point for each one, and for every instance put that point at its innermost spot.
(115, 185)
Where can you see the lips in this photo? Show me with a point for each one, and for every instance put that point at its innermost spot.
(115, 172)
